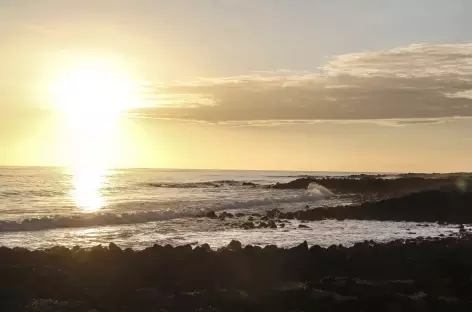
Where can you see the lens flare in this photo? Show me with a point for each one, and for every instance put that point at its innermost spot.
(461, 184)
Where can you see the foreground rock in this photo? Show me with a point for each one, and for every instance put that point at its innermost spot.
(411, 275)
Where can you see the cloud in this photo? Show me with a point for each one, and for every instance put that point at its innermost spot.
(414, 84)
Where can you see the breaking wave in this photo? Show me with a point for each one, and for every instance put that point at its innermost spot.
(315, 188)
(113, 218)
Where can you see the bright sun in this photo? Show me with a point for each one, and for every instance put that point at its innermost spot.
(93, 89)
(90, 96)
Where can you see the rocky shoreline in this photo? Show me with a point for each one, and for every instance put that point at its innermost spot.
(422, 274)
(441, 206)
(375, 184)
(425, 274)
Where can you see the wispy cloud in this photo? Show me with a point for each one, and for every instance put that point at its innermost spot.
(420, 83)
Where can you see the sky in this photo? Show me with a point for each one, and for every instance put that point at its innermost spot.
(366, 86)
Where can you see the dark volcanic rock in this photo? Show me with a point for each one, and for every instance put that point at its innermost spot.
(273, 213)
(206, 247)
(226, 215)
(376, 184)
(428, 206)
(114, 247)
(234, 245)
(262, 225)
(403, 275)
(211, 215)
(248, 225)
(303, 226)
(301, 183)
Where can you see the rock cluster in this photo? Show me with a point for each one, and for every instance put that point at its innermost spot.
(427, 206)
(403, 275)
(374, 184)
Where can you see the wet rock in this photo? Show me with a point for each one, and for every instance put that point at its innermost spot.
(427, 206)
(239, 215)
(273, 213)
(374, 185)
(234, 245)
(250, 218)
(303, 226)
(248, 226)
(113, 247)
(272, 224)
(226, 214)
(301, 183)
(401, 275)
(270, 248)
(303, 247)
(288, 215)
(183, 249)
(97, 249)
(263, 225)
(211, 215)
(205, 247)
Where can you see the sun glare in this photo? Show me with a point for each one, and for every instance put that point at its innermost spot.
(93, 90)
(90, 96)
(87, 187)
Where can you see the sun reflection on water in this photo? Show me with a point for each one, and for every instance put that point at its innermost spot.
(88, 184)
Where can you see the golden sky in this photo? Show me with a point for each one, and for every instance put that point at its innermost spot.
(236, 85)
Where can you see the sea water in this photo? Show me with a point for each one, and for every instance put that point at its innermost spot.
(44, 207)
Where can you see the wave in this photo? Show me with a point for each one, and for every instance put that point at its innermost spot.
(113, 218)
(293, 176)
(39, 193)
(206, 184)
(315, 188)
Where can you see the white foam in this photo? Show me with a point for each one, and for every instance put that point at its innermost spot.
(115, 218)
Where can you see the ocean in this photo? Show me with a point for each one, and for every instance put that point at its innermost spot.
(42, 207)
